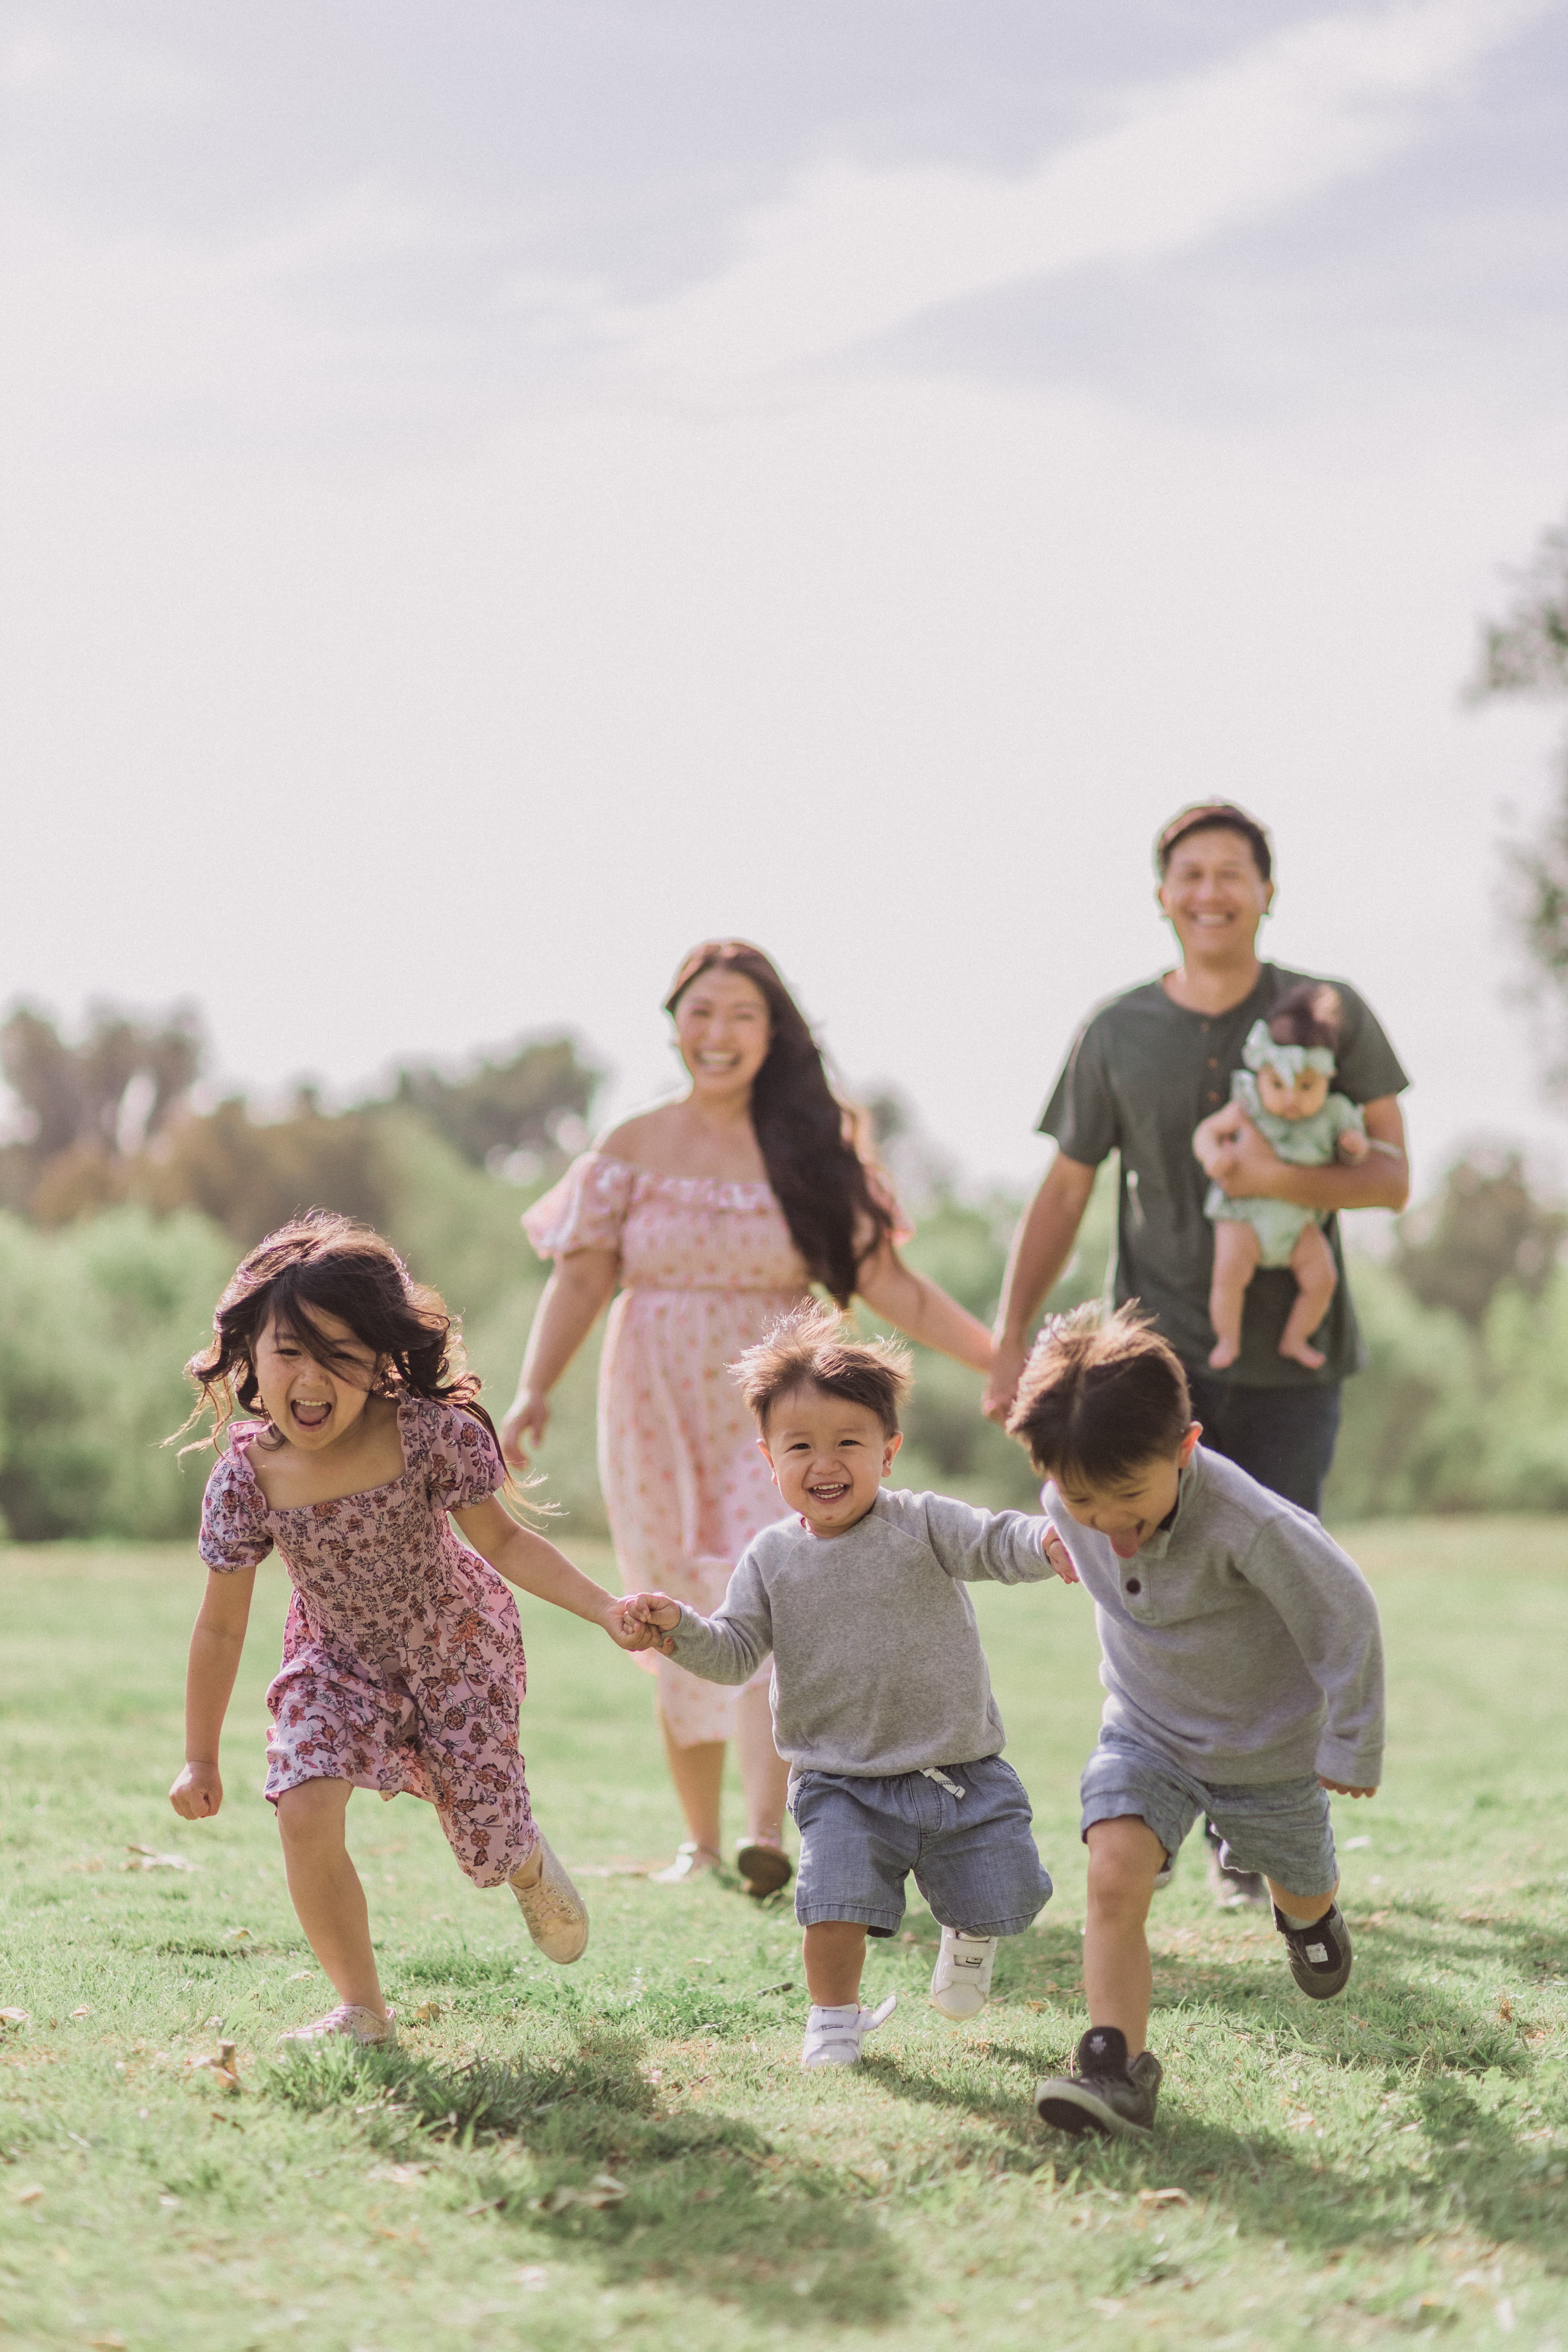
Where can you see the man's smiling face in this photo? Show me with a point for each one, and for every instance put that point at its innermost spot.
(1214, 896)
(829, 1457)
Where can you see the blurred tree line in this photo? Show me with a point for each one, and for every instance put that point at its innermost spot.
(125, 1210)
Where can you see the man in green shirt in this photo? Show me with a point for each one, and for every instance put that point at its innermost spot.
(1142, 1074)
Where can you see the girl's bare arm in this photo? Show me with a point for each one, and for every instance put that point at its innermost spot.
(525, 1559)
(217, 1640)
(574, 1297)
(921, 1310)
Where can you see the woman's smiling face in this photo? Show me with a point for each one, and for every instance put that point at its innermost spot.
(311, 1404)
(723, 1029)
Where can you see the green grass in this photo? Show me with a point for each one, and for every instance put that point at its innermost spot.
(1389, 2165)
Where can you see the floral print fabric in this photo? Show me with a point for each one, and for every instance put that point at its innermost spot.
(403, 1667)
(706, 1266)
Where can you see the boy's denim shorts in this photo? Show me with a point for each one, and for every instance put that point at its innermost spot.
(1279, 1827)
(972, 1854)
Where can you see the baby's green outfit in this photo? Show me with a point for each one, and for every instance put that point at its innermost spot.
(1304, 1142)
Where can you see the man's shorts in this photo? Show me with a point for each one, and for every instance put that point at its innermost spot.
(965, 1835)
(1279, 1827)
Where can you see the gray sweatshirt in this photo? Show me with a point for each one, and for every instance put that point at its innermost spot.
(1241, 1641)
(877, 1667)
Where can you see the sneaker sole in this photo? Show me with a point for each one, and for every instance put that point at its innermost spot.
(1321, 1988)
(940, 2002)
(1076, 2110)
(763, 1870)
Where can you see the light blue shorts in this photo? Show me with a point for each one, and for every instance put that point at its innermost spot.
(1279, 1827)
(973, 1857)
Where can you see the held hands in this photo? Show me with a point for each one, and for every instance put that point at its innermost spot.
(524, 1427)
(1343, 1789)
(647, 1618)
(1353, 1145)
(628, 1631)
(1057, 1555)
(198, 1791)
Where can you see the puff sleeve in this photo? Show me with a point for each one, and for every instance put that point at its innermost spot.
(586, 1210)
(460, 1459)
(234, 1513)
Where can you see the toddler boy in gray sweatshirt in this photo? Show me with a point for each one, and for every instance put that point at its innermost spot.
(882, 1699)
(1242, 1662)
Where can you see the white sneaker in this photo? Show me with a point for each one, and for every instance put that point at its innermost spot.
(557, 1914)
(833, 2035)
(361, 2025)
(961, 1980)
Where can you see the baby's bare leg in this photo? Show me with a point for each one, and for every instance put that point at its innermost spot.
(1312, 1264)
(1235, 1247)
(325, 1889)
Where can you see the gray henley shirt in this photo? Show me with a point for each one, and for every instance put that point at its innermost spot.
(877, 1667)
(1241, 1641)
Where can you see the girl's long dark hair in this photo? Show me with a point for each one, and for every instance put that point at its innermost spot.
(322, 1264)
(804, 1133)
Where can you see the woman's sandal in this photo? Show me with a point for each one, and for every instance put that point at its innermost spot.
(764, 1868)
(691, 1860)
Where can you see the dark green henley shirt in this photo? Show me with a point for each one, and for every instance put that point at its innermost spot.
(1142, 1074)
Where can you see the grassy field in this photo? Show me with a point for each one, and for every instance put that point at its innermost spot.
(1393, 2164)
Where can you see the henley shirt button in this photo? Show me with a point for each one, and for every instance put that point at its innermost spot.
(1134, 1585)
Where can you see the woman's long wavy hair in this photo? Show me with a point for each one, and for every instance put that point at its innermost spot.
(806, 1135)
(322, 1264)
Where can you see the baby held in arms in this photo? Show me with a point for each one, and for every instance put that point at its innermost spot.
(881, 1698)
(1286, 1091)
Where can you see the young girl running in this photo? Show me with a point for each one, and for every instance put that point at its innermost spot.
(402, 1663)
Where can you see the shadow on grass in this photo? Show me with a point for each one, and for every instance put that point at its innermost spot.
(1489, 2160)
(708, 2205)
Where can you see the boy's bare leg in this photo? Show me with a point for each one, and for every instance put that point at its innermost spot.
(324, 1888)
(1305, 1908)
(1235, 1250)
(1124, 1856)
(1312, 1264)
(764, 1775)
(835, 1955)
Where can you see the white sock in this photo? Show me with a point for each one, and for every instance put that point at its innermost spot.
(1291, 1921)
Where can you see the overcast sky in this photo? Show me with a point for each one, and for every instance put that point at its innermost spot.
(494, 494)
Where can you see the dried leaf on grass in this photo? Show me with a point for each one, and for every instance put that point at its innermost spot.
(147, 1857)
(1164, 2197)
(602, 2191)
(14, 2017)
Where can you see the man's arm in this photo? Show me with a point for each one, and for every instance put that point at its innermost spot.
(1041, 1248)
(1251, 1169)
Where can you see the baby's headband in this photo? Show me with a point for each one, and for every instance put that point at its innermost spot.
(1261, 1053)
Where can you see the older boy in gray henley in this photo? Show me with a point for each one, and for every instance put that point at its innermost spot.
(882, 1708)
(1242, 1660)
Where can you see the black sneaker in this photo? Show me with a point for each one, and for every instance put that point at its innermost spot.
(1103, 2094)
(1320, 1955)
(1233, 1890)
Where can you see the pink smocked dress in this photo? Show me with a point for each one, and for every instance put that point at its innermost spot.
(402, 1665)
(706, 1266)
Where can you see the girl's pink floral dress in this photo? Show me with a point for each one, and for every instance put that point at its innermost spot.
(706, 1266)
(403, 1665)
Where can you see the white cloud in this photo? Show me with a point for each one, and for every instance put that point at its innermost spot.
(855, 252)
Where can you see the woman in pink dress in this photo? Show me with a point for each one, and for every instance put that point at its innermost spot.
(711, 1216)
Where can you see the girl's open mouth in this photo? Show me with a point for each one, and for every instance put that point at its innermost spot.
(829, 1494)
(312, 1413)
